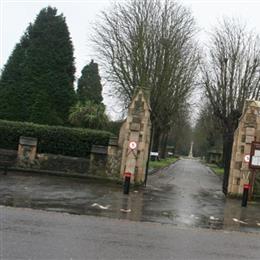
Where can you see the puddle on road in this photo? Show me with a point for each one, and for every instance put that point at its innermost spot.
(166, 205)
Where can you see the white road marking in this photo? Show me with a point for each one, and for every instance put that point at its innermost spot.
(100, 206)
(239, 221)
(125, 210)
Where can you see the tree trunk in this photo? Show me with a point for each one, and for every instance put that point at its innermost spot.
(228, 138)
(156, 138)
(163, 145)
(149, 154)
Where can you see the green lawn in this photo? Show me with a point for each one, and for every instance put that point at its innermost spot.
(162, 163)
(218, 170)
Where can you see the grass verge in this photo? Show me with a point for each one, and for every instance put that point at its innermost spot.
(162, 163)
(218, 170)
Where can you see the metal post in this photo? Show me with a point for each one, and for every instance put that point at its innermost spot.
(148, 159)
(127, 182)
(245, 195)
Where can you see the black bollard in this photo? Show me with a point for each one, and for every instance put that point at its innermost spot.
(127, 183)
(245, 195)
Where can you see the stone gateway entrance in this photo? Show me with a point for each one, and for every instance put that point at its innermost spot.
(134, 139)
(248, 130)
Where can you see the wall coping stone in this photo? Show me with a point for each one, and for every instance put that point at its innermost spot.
(31, 141)
(99, 149)
(113, 141)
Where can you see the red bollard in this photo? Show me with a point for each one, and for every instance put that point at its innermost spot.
(245, 195)
(127, 182)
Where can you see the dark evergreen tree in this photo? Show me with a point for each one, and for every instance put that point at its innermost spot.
(37, 81)
(14, 94)
(89, 84)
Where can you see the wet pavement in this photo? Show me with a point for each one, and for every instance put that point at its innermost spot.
(185, 194)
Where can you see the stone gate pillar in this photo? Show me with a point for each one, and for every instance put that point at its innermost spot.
(27, 149)
(248, 130)
(136, 130)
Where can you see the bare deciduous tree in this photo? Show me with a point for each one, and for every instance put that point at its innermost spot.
(207, 134)
(230, 76)
(150, 44)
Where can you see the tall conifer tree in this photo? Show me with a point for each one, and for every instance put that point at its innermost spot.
(89, 84)
(37, 81)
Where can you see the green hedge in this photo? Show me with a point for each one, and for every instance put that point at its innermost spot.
(52, 139)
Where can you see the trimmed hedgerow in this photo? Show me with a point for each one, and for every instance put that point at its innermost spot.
(52, 139)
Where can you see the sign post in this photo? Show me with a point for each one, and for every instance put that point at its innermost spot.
(245, 195)
(127, 182)
(130, 167)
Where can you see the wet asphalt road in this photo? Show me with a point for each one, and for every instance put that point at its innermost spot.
(189, 192)
(168, 215)
(184, 194)
(41, 235)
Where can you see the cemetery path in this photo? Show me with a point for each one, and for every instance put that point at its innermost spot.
(191, 193)
(185, 194)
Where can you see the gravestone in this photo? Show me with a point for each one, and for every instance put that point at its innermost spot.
(134, 139)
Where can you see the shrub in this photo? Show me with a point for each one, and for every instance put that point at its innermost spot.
(89, 115)
(52, 139)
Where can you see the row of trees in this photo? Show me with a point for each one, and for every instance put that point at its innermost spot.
(151, 44)
(206, 133)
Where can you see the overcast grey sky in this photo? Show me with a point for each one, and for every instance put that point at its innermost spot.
(15, 15)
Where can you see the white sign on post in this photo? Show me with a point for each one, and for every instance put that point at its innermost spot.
(256, 158)
(247, 158)
(132, 145)
(256, 161)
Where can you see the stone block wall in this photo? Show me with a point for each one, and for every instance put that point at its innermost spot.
(60, 163)
(114, 155)
(103, 161)
(248, 130)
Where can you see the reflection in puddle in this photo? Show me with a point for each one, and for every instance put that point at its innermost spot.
(166, 205)
(241, 218)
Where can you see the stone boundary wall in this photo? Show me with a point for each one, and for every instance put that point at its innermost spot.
(103, 162)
